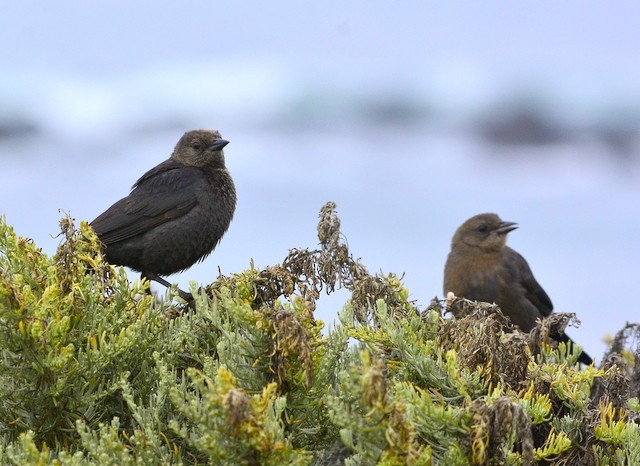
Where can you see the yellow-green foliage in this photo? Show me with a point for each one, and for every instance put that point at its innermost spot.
(94, 371)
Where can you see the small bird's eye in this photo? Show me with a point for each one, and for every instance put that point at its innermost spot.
(483, 229)
(196, 146)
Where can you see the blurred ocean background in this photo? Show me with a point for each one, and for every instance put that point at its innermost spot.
(411, 116)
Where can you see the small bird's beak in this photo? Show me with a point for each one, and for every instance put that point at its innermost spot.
(218, 144)
(506, 227)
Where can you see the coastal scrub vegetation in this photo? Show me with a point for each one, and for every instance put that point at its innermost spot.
(95, 370)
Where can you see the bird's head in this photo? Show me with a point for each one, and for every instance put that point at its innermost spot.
(200, 148)
(485, 231)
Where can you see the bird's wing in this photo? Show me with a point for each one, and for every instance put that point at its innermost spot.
(164, 193)
(533, 291)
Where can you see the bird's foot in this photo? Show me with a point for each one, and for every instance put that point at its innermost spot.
(188, 297)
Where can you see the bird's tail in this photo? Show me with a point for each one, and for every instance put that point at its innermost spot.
(584, 357)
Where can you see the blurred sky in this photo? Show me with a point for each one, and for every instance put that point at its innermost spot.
(93, 76)
(397, 40)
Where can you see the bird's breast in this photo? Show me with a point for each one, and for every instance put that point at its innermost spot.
(473, 276)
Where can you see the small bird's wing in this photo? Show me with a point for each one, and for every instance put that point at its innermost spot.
(166, 192)
(533, 291)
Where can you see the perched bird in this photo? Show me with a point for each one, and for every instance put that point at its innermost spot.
(176, 213)
(481, 267)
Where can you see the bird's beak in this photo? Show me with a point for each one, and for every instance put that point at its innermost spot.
(506, 227)
(218, 144)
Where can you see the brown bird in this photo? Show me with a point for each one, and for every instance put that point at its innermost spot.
(481, 267)
(176, 213)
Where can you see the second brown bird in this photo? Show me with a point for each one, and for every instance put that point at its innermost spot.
(481, 267)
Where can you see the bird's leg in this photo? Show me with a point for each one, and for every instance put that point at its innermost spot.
(152, 276)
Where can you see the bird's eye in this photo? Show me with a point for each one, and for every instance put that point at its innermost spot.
(196, 146)
(483, 229)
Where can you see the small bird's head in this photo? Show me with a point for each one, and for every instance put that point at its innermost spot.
(484, 231)
(200, 148)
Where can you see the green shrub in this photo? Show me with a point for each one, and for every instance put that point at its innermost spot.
(94, 370)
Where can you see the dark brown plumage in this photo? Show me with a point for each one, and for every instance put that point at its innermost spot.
(481, 267)
(176, 213)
